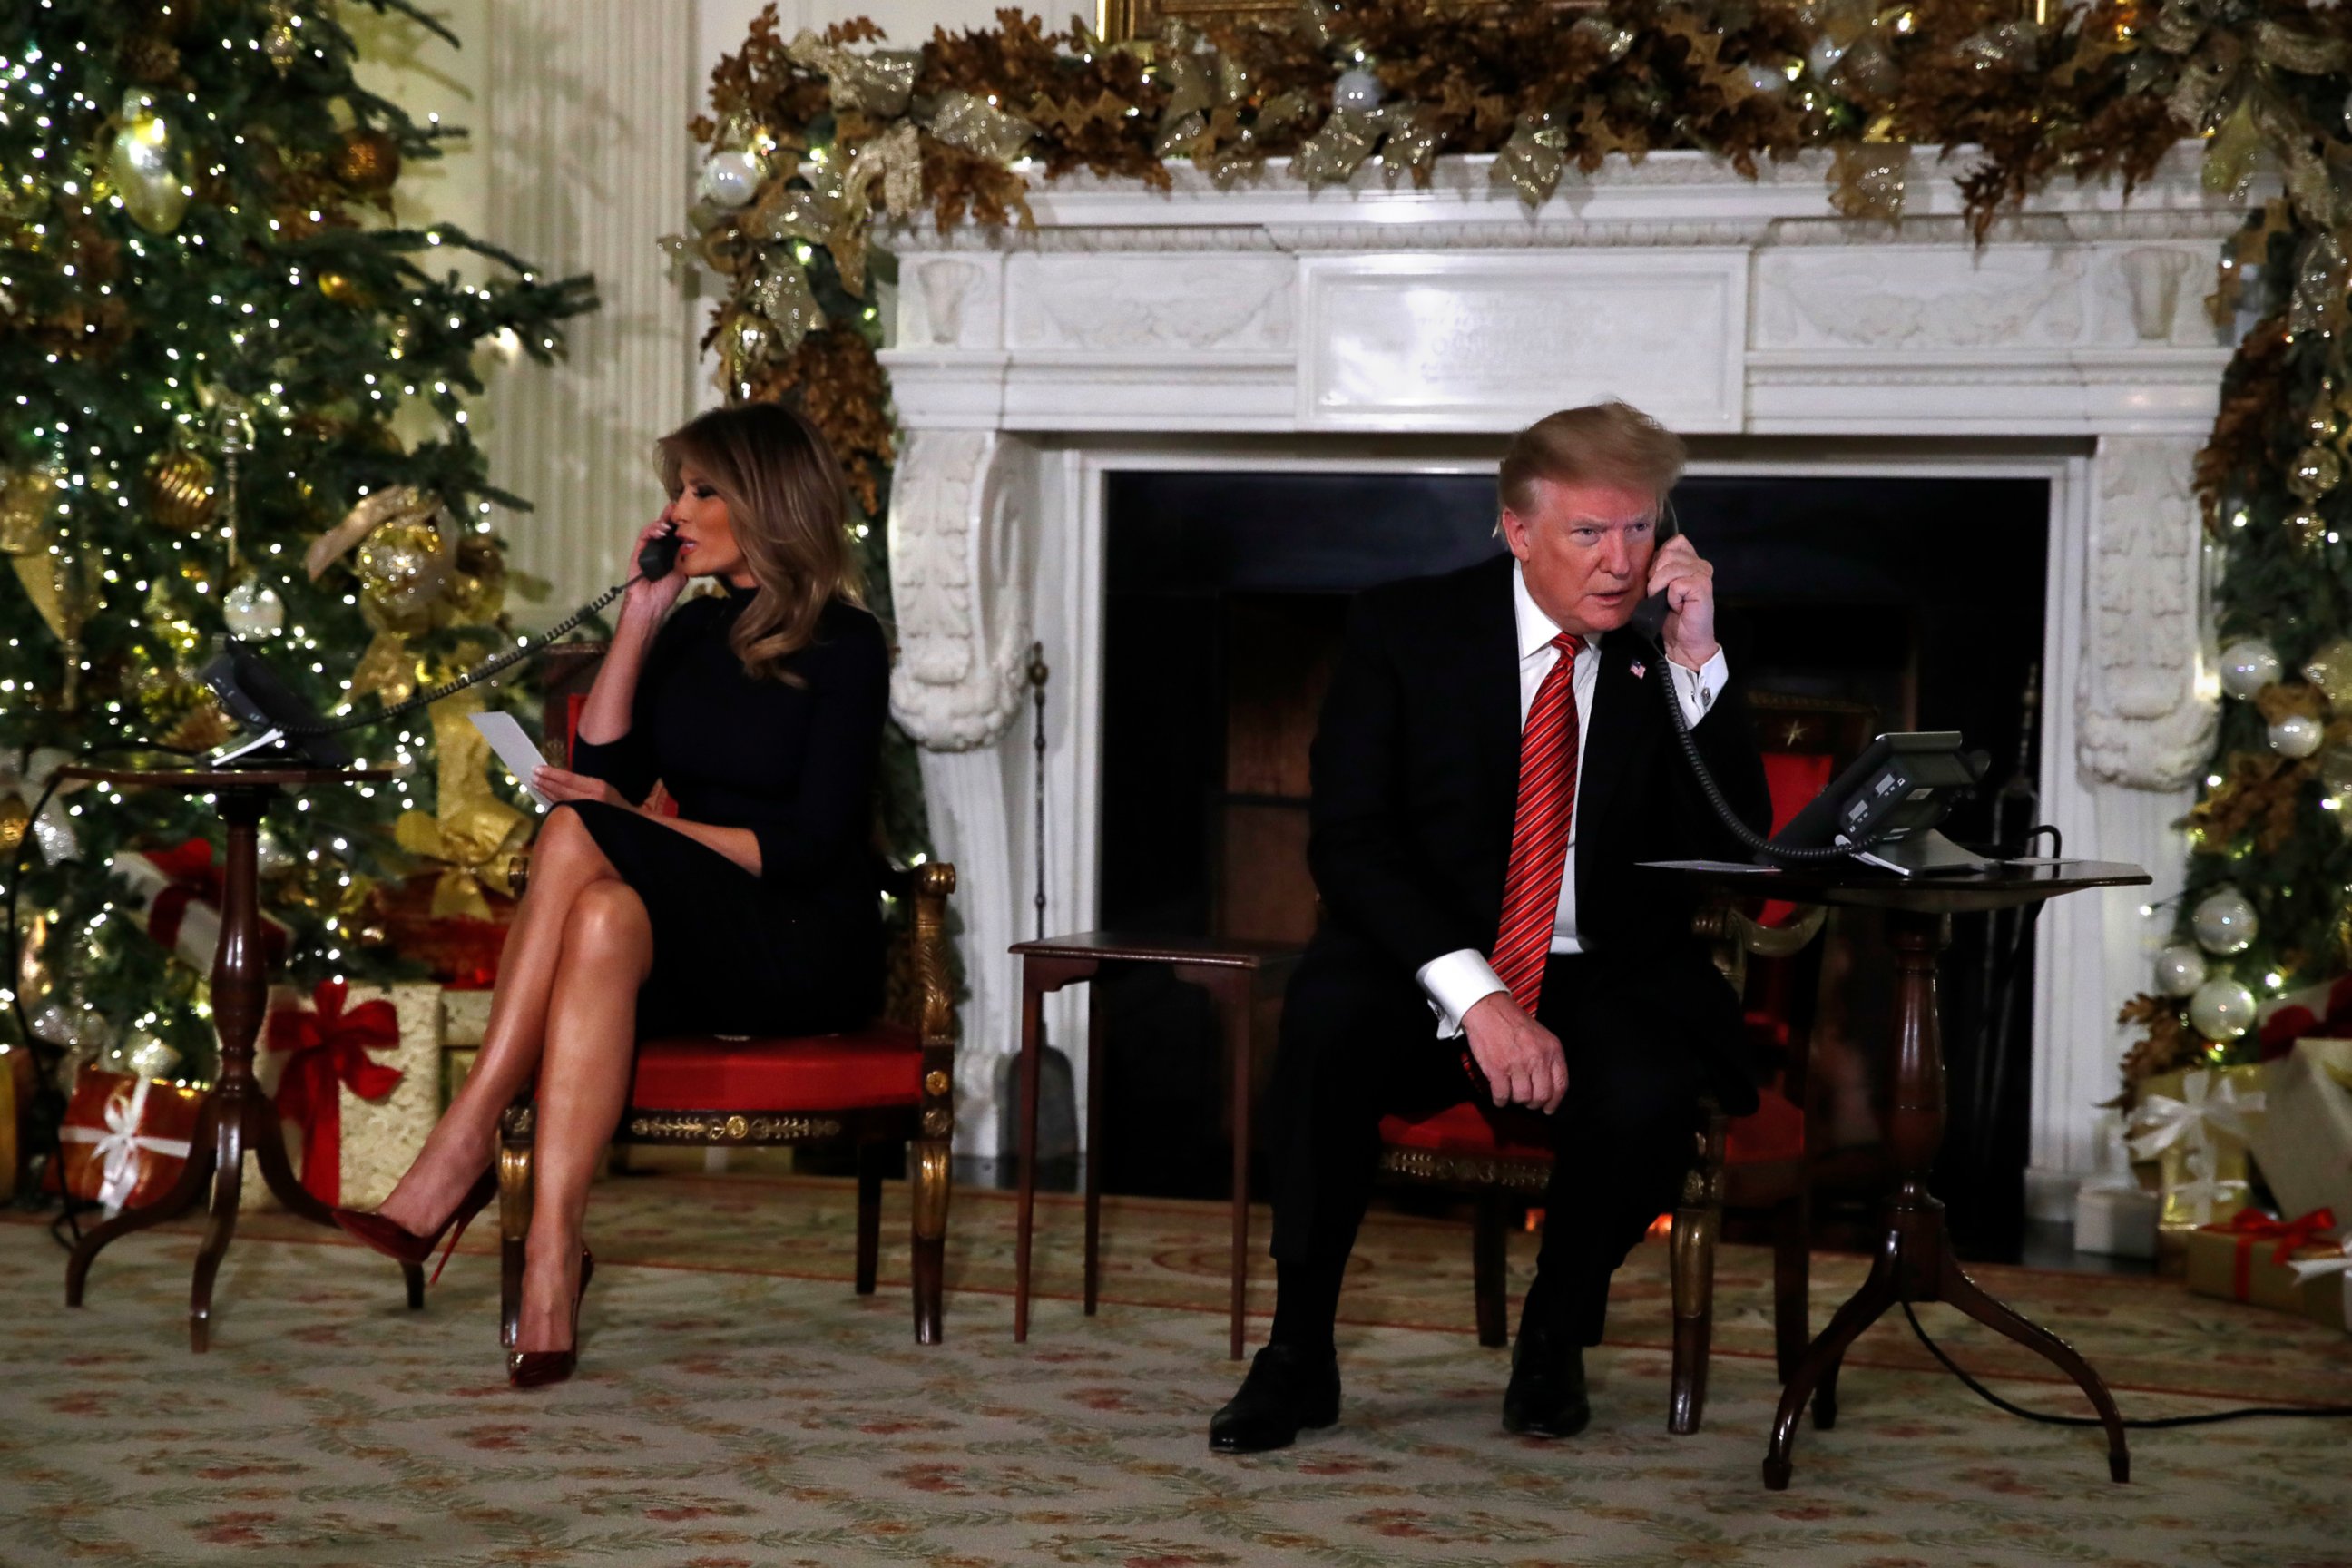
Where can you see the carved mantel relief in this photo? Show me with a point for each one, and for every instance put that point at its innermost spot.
(958, 578)
(2146, 713)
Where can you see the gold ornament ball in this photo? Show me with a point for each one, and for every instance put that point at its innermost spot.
(2330, 668)
(343, 289)
(180, 492)
(402, 565)
(368, 161)
(2316, 471)
(2307, 531)
(14, 816)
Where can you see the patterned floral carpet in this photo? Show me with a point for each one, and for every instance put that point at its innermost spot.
(739, 1405)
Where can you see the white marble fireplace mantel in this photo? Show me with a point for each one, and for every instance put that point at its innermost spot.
(1370, 329)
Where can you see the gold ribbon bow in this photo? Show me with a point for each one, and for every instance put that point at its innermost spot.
(475, 835)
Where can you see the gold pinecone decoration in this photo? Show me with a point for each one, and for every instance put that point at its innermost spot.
(180, 490)
(368, 161)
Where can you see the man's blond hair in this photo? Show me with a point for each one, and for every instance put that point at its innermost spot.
(1609, 443)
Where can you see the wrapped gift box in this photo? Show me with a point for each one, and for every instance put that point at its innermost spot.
(2117, 1221)
(2327, 1301)
(356, 1074)
(2304, 1138)
(124, 1139)
(178, 893)
(2195, 1123)
(2249, 1257)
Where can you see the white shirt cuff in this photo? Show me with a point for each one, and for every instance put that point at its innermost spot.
(1699, 688)
(1455, 982)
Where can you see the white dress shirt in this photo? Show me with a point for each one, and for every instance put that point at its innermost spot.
(1458, 981)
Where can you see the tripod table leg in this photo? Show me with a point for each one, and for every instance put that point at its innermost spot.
(1821, 1359)
(1958, 1291)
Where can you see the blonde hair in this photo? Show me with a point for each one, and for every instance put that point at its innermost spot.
(1602, 442)
(786, 504)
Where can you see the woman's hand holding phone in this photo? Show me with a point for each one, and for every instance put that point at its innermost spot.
(649, 596)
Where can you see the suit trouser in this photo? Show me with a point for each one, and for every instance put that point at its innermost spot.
(1640, 1034)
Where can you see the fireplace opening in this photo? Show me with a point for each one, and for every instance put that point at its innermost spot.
(1921, 600)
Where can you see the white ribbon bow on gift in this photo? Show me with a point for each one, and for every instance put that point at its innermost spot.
(2309, 1269)
(119, 1145)
(2204, 1110)
(2209, 1105)
(26, 773)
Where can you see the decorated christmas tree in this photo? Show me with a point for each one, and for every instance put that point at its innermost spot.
(2261, 936)
(236, 402)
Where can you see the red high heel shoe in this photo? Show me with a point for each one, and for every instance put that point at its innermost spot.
(398, 1242)
(536, 1369)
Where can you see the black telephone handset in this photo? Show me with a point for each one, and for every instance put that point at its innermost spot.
(1650, 615)
(658, 556)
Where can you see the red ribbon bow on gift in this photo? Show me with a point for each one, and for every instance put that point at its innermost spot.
(2250, 1225)
(193, 876)
(330, 1050)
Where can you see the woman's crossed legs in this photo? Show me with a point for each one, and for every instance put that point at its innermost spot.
(565, 1011)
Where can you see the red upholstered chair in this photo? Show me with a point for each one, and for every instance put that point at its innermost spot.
(889, 1084)
(1759, 1163)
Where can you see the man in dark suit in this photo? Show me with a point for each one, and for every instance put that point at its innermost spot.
(1493, 760)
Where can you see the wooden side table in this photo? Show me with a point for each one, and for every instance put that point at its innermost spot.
(237, 1115)
(1913, 1261)
(1236, 973)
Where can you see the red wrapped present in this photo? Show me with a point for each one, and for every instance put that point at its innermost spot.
(178, 894)
(125, 1138)
(329, 1053)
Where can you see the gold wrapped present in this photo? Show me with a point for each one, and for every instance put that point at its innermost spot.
(2195, 1123)
(2250, 1258)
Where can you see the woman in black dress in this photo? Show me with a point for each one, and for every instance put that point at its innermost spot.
(753, 910)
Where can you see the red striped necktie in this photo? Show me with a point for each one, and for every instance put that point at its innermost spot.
(1539, 832)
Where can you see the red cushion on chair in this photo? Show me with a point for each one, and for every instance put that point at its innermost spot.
(1793, 778)
(1462, 1130)
(1777, 1131)
(881, 1064)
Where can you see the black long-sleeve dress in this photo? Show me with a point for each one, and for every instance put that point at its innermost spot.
(796, 948)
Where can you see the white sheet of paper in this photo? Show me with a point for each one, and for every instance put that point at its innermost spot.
(514, 747)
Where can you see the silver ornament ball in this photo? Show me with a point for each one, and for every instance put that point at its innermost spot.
(730, 180)
(2224, 922)
(254, 612)
(2180, 969)
(2248, 664)
(1358, 90)
(2297, 735)
(2221, 1009)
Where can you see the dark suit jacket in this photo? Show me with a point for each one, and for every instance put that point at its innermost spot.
(1415, 780)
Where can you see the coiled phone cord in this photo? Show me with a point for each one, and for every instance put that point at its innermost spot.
(1755, 842)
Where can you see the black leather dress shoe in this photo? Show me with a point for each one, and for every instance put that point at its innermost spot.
(1287, 1389)
(1546, 1397)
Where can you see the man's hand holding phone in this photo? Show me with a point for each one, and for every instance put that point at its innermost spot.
(1522, 1060)
(1688, 581)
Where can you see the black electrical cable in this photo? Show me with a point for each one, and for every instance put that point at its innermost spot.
(2151, 1424)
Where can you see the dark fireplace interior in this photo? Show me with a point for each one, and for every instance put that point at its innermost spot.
(1227, 595)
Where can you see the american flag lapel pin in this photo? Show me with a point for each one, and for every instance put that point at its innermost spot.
(1638, 670)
